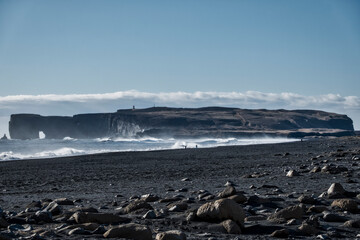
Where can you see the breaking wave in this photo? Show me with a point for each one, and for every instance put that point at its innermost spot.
(50, 148)
(69, 139)
(45, 154)
(124, 139)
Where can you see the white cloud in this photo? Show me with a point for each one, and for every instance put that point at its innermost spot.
(236, 98)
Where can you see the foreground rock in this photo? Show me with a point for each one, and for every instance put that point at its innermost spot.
(231, 227)
(227, 192)
(308, 229)
(283, 233)
(129, 231)
(292, 173)
(352, 223)
(292, 212)
(222, 209)
(102, 218)
(171, 235)
(346, 205)
(136, 205)
(336, 190)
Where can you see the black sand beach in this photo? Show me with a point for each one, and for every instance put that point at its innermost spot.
(187, 179)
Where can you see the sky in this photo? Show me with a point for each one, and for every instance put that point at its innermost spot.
(66, 57)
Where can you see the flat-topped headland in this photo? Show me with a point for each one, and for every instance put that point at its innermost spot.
(183, 123)
(297, 190)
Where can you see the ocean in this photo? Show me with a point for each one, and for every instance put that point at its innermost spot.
(49, 148)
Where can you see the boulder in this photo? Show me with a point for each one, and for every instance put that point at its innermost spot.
(149, 215)
(129, 231)
(63, 201)
(231, 227)
(346, 205)
(352, 223)
(336, 189)
(315, 170)
(178, 207)
(227, 192)
(43, 216)
(306, 199)
(282, 233)
(333, 217)
(171, 235)
(317, 209)
(136, 205)
(286, 214)
(54, 208)
(101, 218)
(3, 223)
(238, 198)
(216, 228)
(313, 220)
(292, 173)
(222, 209)
(307, 229)
(149, 198)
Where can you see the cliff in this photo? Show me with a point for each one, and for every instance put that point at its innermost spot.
(183, 122)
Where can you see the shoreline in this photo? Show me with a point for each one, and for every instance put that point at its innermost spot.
(260, 141)
(108, 181)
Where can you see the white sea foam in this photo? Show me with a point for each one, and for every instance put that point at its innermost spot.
(69, 139)
(61, 152)
(48, 148)
(129, 139)
(6, 156)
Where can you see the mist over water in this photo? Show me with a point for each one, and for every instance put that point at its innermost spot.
(48, 148)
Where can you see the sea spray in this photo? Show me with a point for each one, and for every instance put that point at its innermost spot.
(48, 148)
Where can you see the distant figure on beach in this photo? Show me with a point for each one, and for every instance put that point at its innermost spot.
(133, 107)
(4, 137)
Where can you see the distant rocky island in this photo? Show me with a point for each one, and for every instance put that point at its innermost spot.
(183, 123)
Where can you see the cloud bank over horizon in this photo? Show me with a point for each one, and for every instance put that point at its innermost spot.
(179, 98)
(70, 104)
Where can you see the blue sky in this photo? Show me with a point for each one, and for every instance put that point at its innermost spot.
(310, 48)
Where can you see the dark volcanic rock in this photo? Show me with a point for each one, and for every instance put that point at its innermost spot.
(286, 214)
(346, 204)
(102, 218)
(222, 209)
(129, 231)
(227, 192)
(283, 233)
(183, 122)
(171, 235)
(133, 206)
